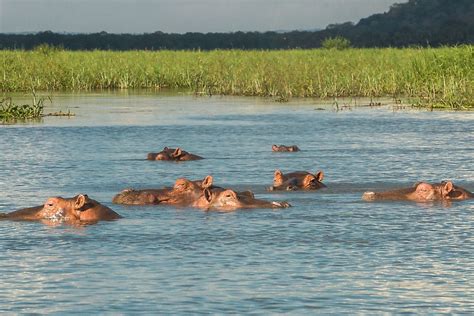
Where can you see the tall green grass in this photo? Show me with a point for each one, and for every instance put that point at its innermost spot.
(433, 77)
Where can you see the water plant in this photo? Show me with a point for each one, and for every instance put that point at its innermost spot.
(11, 112)
(433, 77)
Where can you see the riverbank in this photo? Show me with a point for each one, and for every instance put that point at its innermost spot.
(433, 77)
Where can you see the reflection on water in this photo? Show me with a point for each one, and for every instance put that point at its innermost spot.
(329, 253)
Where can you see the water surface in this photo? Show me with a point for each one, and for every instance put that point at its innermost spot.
(330, 253)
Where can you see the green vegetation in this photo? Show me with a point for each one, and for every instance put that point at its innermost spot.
(337, 42)
(434, 77)
(11, 112)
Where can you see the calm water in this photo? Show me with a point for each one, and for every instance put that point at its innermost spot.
(330, 253)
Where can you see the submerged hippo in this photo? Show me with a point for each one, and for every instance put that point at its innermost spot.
(422, 192)
(139, 197)
(172, 154)
(283, 148)
(229, 200)
(298, 180)
(183, 193)
(70, 210)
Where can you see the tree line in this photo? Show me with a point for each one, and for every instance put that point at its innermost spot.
(417, 22)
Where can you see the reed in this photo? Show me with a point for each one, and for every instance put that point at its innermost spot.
(433, 77)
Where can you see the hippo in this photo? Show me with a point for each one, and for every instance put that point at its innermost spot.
(221, 199)
(183, 193)
(422, 192)
(78, 209)
(298, 180)
(140, 197)
(172, 154)
(283, 148)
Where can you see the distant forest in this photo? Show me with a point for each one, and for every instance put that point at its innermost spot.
(417, 22)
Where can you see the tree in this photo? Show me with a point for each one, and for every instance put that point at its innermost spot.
(337, 42)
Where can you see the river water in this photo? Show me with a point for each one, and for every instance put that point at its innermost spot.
(330, 253)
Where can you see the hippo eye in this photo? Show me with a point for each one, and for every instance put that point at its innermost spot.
(49, 204)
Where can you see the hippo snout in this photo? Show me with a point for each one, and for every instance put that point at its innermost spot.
(368, 196)
(282, 204)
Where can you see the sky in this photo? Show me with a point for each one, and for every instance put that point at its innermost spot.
(181, 16)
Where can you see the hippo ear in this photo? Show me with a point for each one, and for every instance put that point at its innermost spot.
(208, 195)
(274, 147)
(248, 193)
(207, 182)
(165, 148)
(319, 176)
(306, 181)
(80, 201)
(448, 186)
(277, 178)
(177, 153)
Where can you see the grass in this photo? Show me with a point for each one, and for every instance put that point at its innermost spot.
(431, 77)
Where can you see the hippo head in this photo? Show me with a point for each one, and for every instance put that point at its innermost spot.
(420, 192)
(165, 154)
(229, 200)
(283, 148)
(172, 154)
(79, 209)
(186, 192)
(58, 209)
(451, 192)
(182, 155)
(297, 181)
(313, 181)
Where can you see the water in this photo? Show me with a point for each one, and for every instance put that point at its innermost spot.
(330, 253)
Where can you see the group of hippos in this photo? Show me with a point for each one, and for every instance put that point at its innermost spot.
(203, 194)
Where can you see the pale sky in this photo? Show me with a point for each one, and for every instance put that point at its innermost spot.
(181, 16)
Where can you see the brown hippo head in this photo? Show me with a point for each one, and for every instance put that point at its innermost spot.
(186, 192)
(57, 209)
(283, 148)
(452, 192)
(173, 154)
(182, 191)
(299, 180)
(228, 200)
(420, 192)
